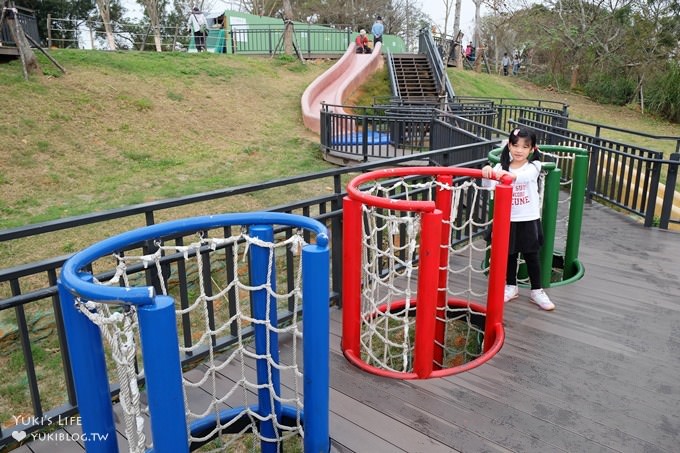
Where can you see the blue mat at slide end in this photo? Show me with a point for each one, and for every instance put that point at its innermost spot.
(357, 138)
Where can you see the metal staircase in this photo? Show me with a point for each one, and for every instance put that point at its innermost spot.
(420, 78)
(414, 77)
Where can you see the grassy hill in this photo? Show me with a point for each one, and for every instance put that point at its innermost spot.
(127, 127)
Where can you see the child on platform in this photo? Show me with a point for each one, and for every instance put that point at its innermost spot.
(520, 160)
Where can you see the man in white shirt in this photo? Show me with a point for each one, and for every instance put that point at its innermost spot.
(506, 63)
(198, 25)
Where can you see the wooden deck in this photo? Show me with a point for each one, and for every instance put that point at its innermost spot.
(599, 374)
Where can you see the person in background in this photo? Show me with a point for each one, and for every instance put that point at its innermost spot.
(362, 42)
(515, 64)
(377, 30)
(468, 51)
(506, 63)
(520, 159)
(198, 25)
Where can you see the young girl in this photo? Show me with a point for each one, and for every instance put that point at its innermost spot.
(520, 161)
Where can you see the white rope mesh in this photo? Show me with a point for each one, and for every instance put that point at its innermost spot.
(227, 377)
(562, 161)
(390, 266)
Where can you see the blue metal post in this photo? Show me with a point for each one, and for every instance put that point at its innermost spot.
(315, 331)
(266, 340)
(158, 334)
(89, 374)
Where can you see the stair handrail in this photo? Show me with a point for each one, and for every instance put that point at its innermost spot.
(392, 70)
(427, 47)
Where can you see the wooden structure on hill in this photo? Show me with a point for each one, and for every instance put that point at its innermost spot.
(20, 33)
(25, 18)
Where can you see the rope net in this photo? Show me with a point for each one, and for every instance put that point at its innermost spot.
(391, 269)
(211, 282)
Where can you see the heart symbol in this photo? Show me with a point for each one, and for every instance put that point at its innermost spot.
(19, 435)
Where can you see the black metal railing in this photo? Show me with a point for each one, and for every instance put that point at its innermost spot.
(29, 288)
(427, 46)
(626, 176)
(622, 175)
(387, 133)
(511, 109)
(391, 70)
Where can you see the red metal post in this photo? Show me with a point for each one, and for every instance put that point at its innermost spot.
(500, 234)
(351, 278)
(443, 203)
(426, 309)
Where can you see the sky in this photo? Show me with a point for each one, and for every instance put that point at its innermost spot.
(436, 10)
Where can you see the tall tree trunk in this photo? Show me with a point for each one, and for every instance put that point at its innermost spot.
(288, 31)
(152, 10)
(105, 13)
(478, 19)
(574, 77)
(458, 55)
(479, 57)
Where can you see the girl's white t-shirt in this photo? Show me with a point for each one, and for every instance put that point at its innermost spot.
(525, 198)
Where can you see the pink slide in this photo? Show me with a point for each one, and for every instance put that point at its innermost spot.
(336, 84)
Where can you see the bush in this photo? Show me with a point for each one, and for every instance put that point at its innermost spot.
(609, 89)
(662, 93)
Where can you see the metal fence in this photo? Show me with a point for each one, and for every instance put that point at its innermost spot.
(625, 176)
(630, 177)
(31, 288)
(633, 178)
(398, 129)
(252, 40)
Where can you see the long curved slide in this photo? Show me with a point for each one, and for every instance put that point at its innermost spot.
(337, 83)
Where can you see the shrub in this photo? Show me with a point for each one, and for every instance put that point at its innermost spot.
(662, 93)
(610, 89)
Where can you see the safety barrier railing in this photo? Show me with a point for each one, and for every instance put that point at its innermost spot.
(29, 298)
(630, 177)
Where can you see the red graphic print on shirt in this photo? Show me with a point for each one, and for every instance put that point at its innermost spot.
(520, 195)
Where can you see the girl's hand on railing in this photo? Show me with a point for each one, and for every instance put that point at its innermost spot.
(489, 173)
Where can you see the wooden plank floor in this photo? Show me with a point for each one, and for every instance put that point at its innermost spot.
(599, 374)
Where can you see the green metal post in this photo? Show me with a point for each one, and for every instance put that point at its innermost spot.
(551, 193)
(578, 191)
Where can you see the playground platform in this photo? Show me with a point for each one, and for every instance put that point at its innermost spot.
(599, 374)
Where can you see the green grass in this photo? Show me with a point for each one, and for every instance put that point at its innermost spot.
(470, 83)
(121, 128)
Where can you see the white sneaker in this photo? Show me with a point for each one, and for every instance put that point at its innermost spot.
(511, 292)
(540, 298)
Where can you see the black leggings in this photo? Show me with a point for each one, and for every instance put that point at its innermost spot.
(533, 269)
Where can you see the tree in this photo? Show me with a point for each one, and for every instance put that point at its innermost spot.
(288, 31)
(29, 62)
(104, 7)
(154, 10)
(73, 10)
(494, 28)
